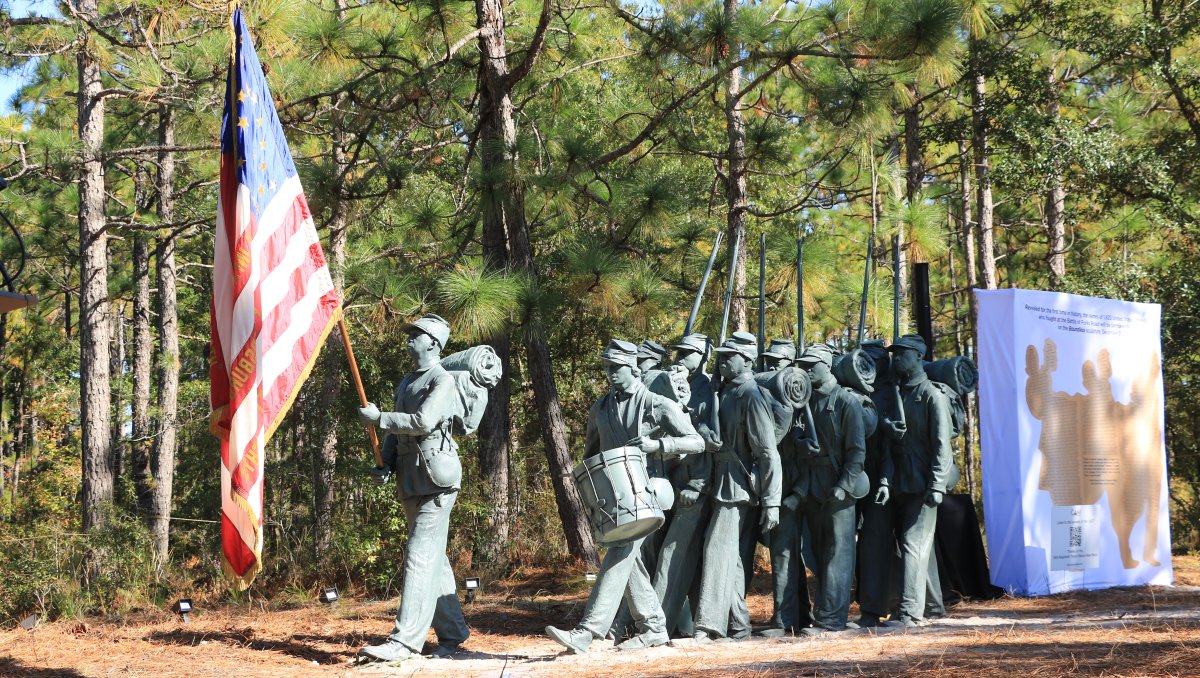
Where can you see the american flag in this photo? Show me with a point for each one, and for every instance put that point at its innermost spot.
(273, 300)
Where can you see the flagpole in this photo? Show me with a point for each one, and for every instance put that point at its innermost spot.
(362, 393)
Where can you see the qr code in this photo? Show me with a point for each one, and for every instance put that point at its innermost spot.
(1076, 537)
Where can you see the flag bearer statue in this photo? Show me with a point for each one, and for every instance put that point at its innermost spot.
(424, 457)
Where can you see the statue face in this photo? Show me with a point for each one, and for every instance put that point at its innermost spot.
(774, 363)
(621, 377)
(905, 363)
(420, 344)
(689, 360)
(645, 364)
(733, 364)
(820, 374)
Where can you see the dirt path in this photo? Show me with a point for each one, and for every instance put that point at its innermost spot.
(1142, 631)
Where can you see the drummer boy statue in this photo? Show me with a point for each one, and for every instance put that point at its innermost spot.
(628, 415)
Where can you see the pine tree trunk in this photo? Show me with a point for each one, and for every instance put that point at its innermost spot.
(968, 241)
(116, 371)
(504, 222)
(94, 319)
(735, 192)
(141, 437)
(168, 353)
(983, 179)
(1056, 197)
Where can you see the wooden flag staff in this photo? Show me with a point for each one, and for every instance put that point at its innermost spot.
(362, 393)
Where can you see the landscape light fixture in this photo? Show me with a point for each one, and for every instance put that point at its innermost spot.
(590, 577)
(30, 623)
(472, 586)
(184, 608)
(329, 595)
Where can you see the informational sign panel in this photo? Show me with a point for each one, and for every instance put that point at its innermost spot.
(1074, 456)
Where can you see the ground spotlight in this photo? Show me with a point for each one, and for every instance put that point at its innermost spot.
(590, 577)
(184, 607)
(472, 586)
(328, 595)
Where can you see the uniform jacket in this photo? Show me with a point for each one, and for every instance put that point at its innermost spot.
(617, 418)
(923, 456)
(878, 464)
(418, 445)
(838, 418)
(747, 440)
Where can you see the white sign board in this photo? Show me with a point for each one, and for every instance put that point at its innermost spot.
(1074, 456)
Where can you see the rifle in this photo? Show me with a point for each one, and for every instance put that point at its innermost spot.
(762, 300)
(810, 426)
(895, 288)
(896, 318)
(712, 257)
(862, 307)
(715, 424)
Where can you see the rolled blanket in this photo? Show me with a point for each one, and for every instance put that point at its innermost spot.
(789, 390)
(481, 362)
(475, 371)
(789, 386)
(959, 373)
(855, 370)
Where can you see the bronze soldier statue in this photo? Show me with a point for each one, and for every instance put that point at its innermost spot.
(675, 579)
(421, 452)
(746, 473)
(824, 491)
(790, 590)
(923, 459)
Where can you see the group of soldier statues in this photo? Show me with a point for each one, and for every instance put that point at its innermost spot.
(772, 448)
(825, 458)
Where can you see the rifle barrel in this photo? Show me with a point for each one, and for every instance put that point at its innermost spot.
(762, 299)
(712, 258)
(799, 294)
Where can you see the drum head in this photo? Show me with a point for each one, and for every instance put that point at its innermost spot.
(632, 530)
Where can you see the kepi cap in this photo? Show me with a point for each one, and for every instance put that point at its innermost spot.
(742, 343)
(875, 349)
(649, 349)
(816, 353)
(433, 325)
(620, 353)
(784, 349)
(912, 342)
(693, 342)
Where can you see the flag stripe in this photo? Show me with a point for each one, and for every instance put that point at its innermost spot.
(279, 356)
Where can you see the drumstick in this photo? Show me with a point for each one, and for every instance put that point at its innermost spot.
(656, 429)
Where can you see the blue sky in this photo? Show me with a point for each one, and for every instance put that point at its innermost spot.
(10, 80)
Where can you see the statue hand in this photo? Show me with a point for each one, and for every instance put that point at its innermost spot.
(838, 494)
(711, 442)
(896, 428)
(688, 497)
(648, 445)
(369, 415)
(882, 495)
(791, 502)
(770, 518)
(933, 498)
(380, 476)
